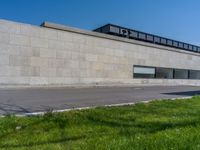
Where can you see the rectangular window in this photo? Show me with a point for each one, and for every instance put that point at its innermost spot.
(185, 46)
(163, 41)
(169, 42)
(133, 34)
(142, 36)
(149, 38)
(156, 40)
(195, 48)
(175, 44)
(180, 45)
(144, 72)
(164, 73)
(190, 47)
(193, 74)
(180, 74)
(114, 29)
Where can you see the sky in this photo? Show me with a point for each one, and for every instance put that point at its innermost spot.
(176, 19)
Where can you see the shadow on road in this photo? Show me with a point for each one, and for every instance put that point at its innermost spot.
(186, 93)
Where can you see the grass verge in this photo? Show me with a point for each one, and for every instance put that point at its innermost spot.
(156, 125)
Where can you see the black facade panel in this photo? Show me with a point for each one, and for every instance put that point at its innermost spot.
(137, 35)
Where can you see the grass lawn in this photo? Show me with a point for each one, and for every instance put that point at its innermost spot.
(157, 125)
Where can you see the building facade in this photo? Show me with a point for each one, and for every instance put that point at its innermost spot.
(53, 54)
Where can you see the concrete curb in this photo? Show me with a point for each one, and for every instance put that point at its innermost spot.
(5, 87)
(93, 107)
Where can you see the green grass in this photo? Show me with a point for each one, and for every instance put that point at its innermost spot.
(157, 125)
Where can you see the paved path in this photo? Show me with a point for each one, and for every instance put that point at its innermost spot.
(21, 101)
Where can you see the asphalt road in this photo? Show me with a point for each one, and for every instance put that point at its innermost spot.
(20, 101)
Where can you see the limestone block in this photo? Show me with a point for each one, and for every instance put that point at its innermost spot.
(14, 71)
(4, 71)
(56, 80)
(75, 73)
(72, 46)
(72, 80)
(85, 65)
(52, 63)
(38, 81)
(35, 52)
(14, 80)
(4, 59)
(60, 72)
(39, 42)
(47, 53)
(35, 71)
(20, 50)
(15, 60)
(19, 40)
(49, 34)
(65, 36)
(63, 54)
(4, 48)
(75, 55)
(74, 64)
(60, 63)
(47, 72)
(39, 62)
(9, 27)
(4, 38)
(30, 30)
(58, 45)
(25, 71)
(91, 57)
(119, 53)
(79, 38)
(98, 66)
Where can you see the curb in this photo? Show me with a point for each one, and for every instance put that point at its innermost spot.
(93, 107)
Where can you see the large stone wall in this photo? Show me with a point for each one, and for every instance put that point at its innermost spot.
(31, 55)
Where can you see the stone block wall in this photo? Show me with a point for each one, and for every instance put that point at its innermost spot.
(31, 55)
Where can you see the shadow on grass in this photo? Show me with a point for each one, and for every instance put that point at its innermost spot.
(48, 122)
(43, 142)
(146, 127)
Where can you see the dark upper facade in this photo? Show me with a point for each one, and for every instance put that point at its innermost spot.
(146, 37)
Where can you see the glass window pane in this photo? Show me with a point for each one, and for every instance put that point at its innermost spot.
(144, 72)
(163, 41)
(195, 48)
(169, 42)
(185, 46)
(133, 34)
(193, 74)
(164, 73)
(142, 36)
(156, 39)
(114, 29)
(190, 47)
(175, 43)
(180, 45)
(150, 38)
(180, 74)
(143, 75)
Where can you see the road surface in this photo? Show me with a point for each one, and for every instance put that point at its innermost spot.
(20, 101)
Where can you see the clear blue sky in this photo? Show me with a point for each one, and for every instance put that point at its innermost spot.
(177, 19)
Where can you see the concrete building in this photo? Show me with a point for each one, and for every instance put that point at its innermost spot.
(58, 55)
